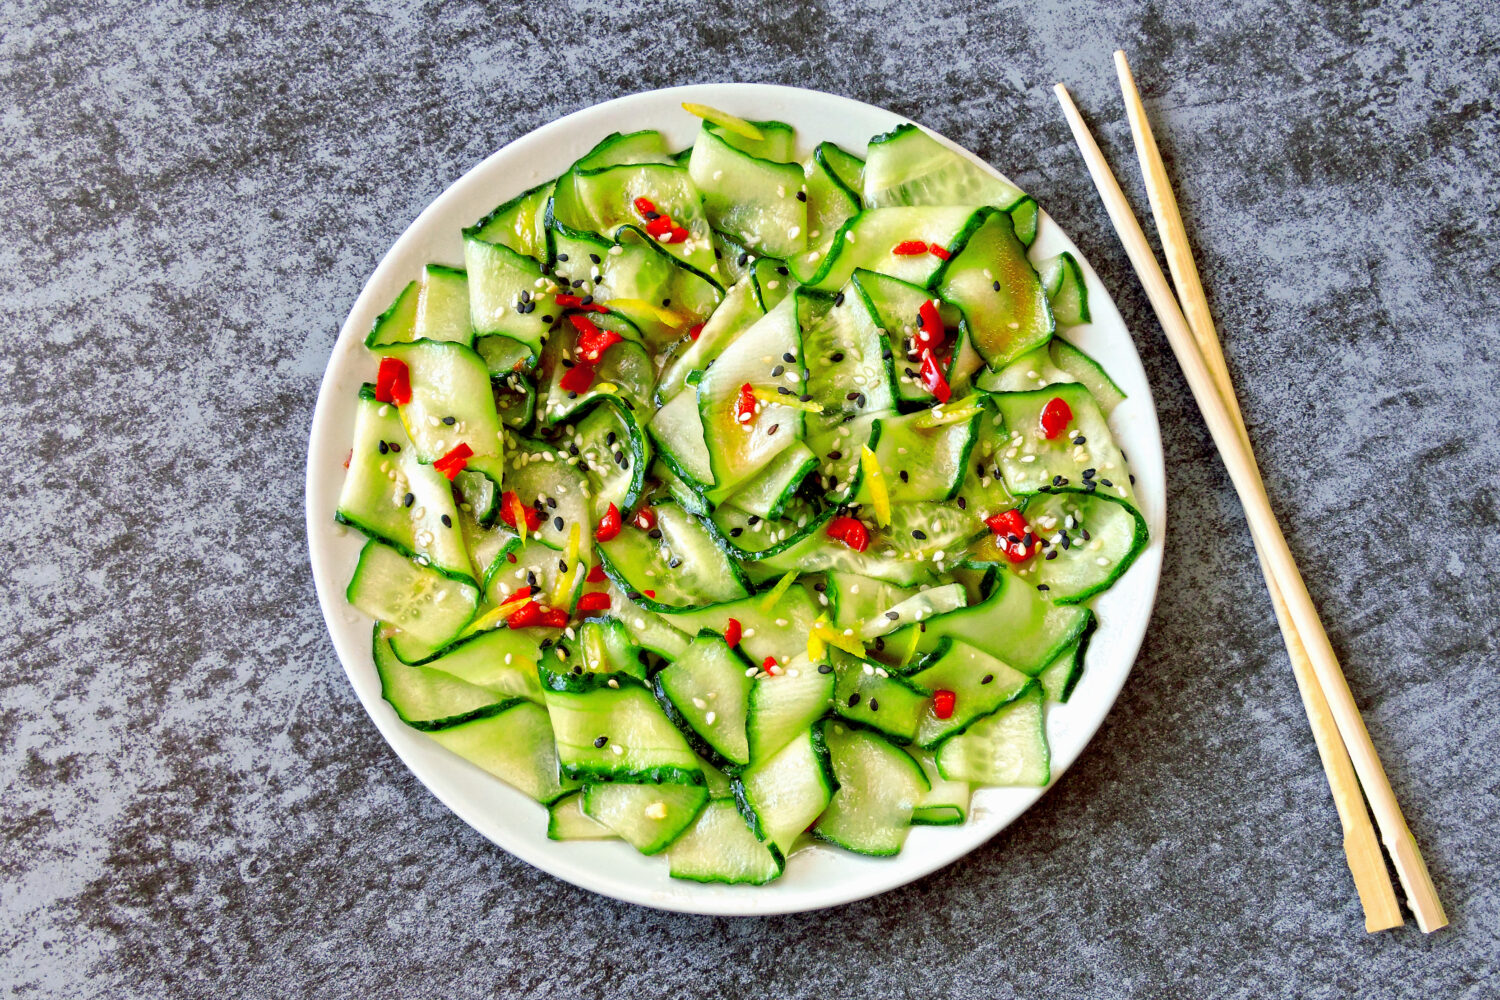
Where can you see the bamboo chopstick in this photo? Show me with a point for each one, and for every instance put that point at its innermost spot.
(1243, 472)
(1371, 880)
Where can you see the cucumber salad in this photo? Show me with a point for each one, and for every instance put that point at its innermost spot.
(726, 499)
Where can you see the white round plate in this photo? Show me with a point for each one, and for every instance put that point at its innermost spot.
(816, 876)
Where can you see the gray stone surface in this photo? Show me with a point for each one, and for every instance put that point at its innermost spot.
(196, 806)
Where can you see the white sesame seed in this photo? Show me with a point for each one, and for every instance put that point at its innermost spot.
(710, 717)
(656, 810)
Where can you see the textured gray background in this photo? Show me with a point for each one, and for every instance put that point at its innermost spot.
(196, 806)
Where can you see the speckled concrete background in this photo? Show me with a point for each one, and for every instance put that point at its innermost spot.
(196, 806)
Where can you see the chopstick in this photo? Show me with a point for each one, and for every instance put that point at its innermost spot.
(1371, 880)
(1243, 472)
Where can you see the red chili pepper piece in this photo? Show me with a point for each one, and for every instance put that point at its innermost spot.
(597, 601)
(695, 330)
(592, 341)
(744, 406)
(650, 593)
(645, 519)
(1056, 416)
(567, 301)
(393, 382)
(595, 307)
(554, 618)
(644, 206)
(733, 632)
(453, 463)
(512, 510)
(1011, 524)
(939, 251)
(596, 575)
(909, 248)
(933, 379)
(525, 616)
(677, 235)
(659, 226)
(768, 663)
(577, 379)
(609, 527)
(851, 531)
(942, 704)
(931, 332)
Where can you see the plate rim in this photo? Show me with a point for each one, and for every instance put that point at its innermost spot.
(836, 877)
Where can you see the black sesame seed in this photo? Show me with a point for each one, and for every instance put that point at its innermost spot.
(600, 741)
(997, 286)
(1052, 554)
(595, 258)
(1042, 586)
(736, 532)
(789, 357)
(1089, 473)
(450, 421)
(1080, 439)
(743, 259)
(447, 521)
(1044, 488)
(838, 299)
(886, 354)
(531, 578)
(383, 447)
(558, 522)
(674, 564)
(552, 503)
(652, 216)
(409, 499)
(754, 519)
(782, 271)
(1089, 486)
(525, 295)
(395, 447)
(801, 196)
(805, 397)
(1065, 541)
(825, 668)
(963, 503)
(562, 565)
(835, 357)
(783, 390)
(562, 256)
(1132, 478)
(835, 455)
(772, 429)
(1013, 539)
(546, 319)
(854, 699)
(1105, 482)
(577, 282)
(1084, 534)
(820, 586)
(874, 705)
(666, 302)
(893, 615)
(905, 477)
(621, 460)
(1058, 480)
(859, 399)
(654, 533)
(778, 370)
(833, 482)
(880, 643)
(919, 534)
(1028, 539)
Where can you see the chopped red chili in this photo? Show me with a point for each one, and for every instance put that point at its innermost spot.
(393, 382)
(454, 461)
(592, 341)
(577, 379)
(567, 301)
(554, 618)
(513, 512)
(609, 527)
(644, 206)
(695, 330)
(733, 632)
(659, 226)
(1056, 416)
(939, 251)
(851, 531)
(768, 663)
(942, 704)
(650, 593)
(909, 248)
(677, 235)
(933, 379)
(931, 332)
(525, 616)
(645, 519)
(744, 406)
(1008, 525)
(596, 575)
(597, 601)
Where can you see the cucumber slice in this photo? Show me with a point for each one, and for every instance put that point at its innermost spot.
(1033, 464)
(979, 682)
(497, 277)
(758, 357)
(896, 305)
(879, 789)
(906, 166)
(946, 803)
(787, 791)
(545, 479)
(769, 491)
(751, 536)
(624, 374)
(429, 608)
(566, 820)
(739, 309)
(707, 694)
(501, 660)
(857, 599)
(689, 498)
(779, 630)
(618, 733)
(983, 491)
(395, 325)
(1062, 277)
(383, 472)
(918, 607)
(1015, 624)
(1008, 747)
(1000, 295)
(606, 647)
(648, 817)
(536, 565)
(777, 141)
(866, 241)
(830, 202)
(919, 463)
(518, 223)
(785, 705)
(1024, 217)
(721, 847)
(850, 367)
(773, 281)
(847, 167)
(678, 432)
(649, 630)
(1058, 361)
(606, 198)
(751, 198)
(1085, 370)
(921, 540)
(425, 698)
(1091, 541)
(614, 454)
(871, 696)
(684, 568)
(515, 746)
(451, 399)
(1062, 674)
(645, 146)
